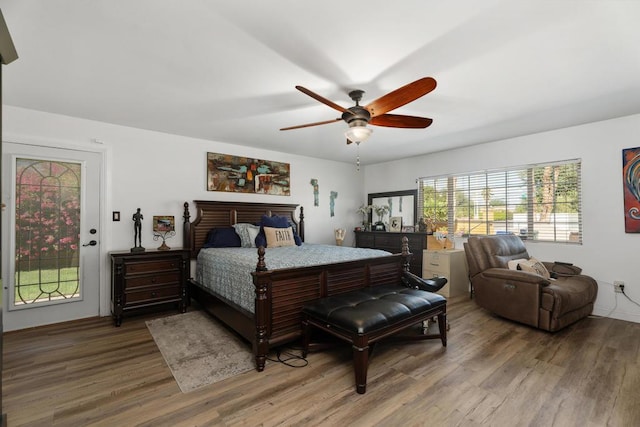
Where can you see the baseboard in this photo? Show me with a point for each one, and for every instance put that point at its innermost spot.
(617, 314)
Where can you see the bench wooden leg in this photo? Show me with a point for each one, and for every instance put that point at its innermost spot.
(360, 365)
(442, 326)
(306, 337)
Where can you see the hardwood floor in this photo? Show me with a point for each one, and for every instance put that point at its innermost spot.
(493, 373)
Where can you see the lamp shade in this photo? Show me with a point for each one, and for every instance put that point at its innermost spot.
(358, 133)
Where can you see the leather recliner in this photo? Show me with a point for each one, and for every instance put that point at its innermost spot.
(549, 304)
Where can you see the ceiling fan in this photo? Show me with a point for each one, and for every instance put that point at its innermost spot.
(375, 113)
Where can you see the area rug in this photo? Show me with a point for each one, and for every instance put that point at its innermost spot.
(198, 350)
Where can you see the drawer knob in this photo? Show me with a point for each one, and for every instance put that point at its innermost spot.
(154, 294)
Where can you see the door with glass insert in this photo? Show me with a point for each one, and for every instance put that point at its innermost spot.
(50, 232)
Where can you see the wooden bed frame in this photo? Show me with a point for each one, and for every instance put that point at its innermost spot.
(280, 293)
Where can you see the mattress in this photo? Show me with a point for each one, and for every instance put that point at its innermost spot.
(227, 271)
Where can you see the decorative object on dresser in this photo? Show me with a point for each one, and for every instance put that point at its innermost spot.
(163, 228)
(144, 280)
(137, 231)
(451, 264)
(389, 241)
(395, 223)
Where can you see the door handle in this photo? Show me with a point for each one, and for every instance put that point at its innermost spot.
(91, 243)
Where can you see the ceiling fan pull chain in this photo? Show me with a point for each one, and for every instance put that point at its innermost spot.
(358, 156)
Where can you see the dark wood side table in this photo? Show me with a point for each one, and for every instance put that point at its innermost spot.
(147, 279)
(392, 242)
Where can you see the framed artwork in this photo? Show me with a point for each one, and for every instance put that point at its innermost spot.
(162, 224)
(631, 185)
(395, 223)
(245, 175)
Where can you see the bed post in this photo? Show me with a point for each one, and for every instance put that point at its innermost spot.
(301, 224)
(262, 312)
(186, 227)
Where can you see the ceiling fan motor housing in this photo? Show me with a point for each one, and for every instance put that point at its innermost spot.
(356, 116)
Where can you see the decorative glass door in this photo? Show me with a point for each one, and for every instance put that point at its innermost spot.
(50, 234)
(47, 231)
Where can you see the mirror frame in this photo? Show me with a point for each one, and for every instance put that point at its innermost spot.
(386, 195)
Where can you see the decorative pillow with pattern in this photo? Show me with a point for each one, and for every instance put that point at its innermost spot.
(532, 265)
(277, 237)
(248, 233)
(275, 221)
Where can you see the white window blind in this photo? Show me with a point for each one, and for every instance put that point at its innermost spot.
(537, 202)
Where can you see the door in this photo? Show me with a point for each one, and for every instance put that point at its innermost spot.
(51, 235)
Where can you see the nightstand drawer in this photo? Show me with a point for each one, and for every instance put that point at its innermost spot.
(152, 280)
(151, 266)
(152, 294)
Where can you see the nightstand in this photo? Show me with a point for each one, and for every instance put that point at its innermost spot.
(449, 263)
(144, 280)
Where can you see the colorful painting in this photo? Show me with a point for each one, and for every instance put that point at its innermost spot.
(631, 176)
(164, 223)
(244, 175)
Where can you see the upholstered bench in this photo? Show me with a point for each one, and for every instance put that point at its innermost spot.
(364, 316)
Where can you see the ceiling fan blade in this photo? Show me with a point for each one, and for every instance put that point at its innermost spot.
(325, 101)
(312, 124)
(400, 121)
(401, 96)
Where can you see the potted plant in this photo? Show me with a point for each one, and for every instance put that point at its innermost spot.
(381, 211)
(365, 210)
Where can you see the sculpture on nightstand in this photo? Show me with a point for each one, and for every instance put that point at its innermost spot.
(137, 227)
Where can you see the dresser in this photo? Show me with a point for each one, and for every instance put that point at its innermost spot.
(145, 280)
(449, 263)
(392, 242)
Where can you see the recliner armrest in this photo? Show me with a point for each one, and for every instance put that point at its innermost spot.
(515, 276)
(562, 269)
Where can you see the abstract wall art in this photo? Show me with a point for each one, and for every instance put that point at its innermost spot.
(245, 175)
(631, 179)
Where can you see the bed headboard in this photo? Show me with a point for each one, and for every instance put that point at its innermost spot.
(210, 214)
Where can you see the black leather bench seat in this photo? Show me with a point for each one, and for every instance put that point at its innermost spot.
(369, 309)
(364, 316)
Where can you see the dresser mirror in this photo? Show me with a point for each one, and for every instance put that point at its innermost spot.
(401, 204)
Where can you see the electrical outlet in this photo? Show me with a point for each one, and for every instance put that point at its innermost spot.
(618, 286)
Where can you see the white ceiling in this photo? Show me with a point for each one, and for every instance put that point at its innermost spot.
(226, 70)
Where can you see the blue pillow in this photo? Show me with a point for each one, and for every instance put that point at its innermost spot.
(275, 222)
(222, 238)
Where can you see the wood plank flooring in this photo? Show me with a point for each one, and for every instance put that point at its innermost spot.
(493, 373)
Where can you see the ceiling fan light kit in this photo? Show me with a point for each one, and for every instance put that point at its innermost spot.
(358, 134)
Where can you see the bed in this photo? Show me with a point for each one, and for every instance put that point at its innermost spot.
(280, 292)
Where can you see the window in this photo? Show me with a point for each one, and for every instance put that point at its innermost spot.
(539, 202)
(47, 231)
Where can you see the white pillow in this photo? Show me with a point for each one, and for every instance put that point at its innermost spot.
(277, 237)
(532, 265)
(248, 233)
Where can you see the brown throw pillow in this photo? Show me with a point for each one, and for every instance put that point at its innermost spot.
(277, 237)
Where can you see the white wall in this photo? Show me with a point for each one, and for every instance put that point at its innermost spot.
(607, 253)
(158, 172)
